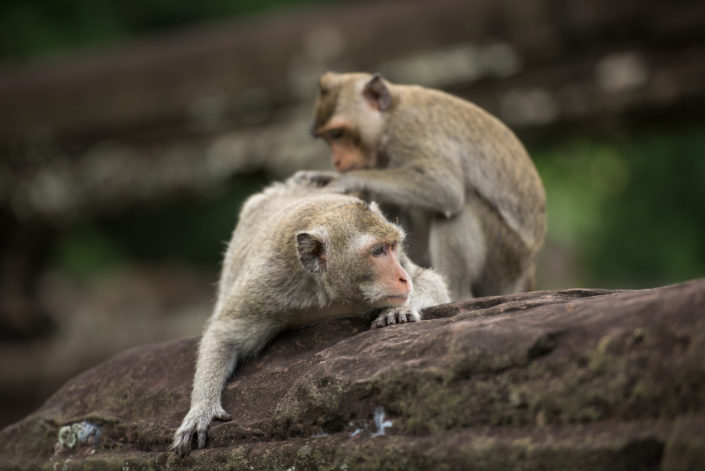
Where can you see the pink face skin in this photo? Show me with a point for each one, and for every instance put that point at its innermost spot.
(345, 157)
(390, 273)
(345, 153)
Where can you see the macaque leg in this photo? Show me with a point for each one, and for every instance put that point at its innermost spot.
(525, 282)
(458, 250)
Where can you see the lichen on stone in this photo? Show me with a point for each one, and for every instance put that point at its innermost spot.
(77, 434)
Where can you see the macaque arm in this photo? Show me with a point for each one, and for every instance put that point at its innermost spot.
(424, 185)
(217, 357)
(224, 342)
(312, 178)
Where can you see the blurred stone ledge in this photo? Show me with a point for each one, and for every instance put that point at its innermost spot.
(575, 379)
(187, 111)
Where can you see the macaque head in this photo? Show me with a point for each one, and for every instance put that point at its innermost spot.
(356, 254)
(349, 114)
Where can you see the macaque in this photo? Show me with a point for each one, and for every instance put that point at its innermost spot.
(459, 180)
(298, 255)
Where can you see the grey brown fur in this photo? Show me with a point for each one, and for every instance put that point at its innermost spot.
(297, 255)
(462, 184)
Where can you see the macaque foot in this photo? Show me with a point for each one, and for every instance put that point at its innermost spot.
(396, 315)
(196, 422)
(313, 178)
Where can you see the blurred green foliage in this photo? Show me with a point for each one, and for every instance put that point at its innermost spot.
(632, 209)
(39, 28)
(86, 251)
(185, 230)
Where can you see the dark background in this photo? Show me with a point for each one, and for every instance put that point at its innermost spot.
(130, 134)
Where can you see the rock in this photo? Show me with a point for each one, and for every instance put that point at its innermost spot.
(575, 379)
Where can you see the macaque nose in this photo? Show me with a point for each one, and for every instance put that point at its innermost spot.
(404, 279)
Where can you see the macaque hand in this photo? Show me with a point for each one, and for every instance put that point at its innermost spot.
(349, 185)
(196, 422)
(313, 178)
(396, 315)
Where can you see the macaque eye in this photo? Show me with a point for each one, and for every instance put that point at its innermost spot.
(393, 246)
(379, 250)
(335, 133)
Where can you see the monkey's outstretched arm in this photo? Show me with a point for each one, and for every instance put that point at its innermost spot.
(226, 340)
(426, 186)
(217, 357)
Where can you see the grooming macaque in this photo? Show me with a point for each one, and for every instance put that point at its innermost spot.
(298, 255)
(460, 181)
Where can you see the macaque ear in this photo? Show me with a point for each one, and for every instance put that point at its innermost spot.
(312, 250)
(377, 94)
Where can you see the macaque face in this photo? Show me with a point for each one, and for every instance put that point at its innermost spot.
(358, 256)
(388, 283)
(393, 280)
(346, 152)
(349, 121)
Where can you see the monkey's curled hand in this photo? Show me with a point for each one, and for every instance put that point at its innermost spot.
(313, 178)
(197, 421)
(396, 315)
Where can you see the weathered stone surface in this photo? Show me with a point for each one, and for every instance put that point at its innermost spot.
(576, 379)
